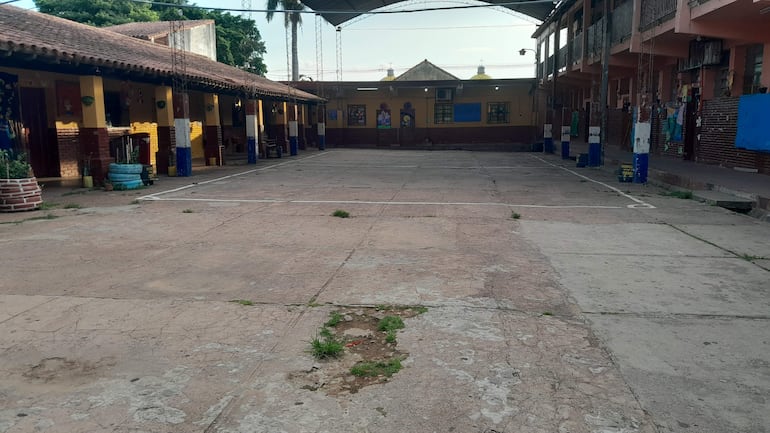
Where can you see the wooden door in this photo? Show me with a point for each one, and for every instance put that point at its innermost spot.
(42, 154)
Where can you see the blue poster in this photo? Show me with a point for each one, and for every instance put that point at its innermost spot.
(753, 112)
(467, 112)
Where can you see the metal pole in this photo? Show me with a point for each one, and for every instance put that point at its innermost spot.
(605, 73)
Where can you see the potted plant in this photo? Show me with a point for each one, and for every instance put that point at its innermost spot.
(19, 190)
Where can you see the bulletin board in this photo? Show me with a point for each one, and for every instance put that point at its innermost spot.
(753, 112)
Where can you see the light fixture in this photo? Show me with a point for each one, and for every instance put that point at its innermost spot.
(426, 90)
(366, 89)
(497, 87)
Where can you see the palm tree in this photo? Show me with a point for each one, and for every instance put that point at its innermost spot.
(290, 18)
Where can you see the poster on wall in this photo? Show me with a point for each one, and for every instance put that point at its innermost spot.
(357, 115)
(68, 99)
(383, 119)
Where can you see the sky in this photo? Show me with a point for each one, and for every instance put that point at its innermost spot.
(455, 40)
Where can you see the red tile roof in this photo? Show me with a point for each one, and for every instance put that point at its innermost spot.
(59, 40)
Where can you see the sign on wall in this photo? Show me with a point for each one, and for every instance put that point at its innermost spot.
(753, 112)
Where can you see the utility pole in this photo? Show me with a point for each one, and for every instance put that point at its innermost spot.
(606, 36)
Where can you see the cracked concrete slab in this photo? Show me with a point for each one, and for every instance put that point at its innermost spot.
(120, 319)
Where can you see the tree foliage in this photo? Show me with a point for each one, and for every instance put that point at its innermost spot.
(239, 43)
(99, 13)
(291, 20)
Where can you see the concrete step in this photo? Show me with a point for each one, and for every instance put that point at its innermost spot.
(727, 201)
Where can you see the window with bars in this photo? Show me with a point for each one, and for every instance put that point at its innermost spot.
(356, 115)
(753, 72)
(442, 113)
(498, 112)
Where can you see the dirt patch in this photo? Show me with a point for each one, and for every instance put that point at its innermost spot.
(365, 345)
(57, 369)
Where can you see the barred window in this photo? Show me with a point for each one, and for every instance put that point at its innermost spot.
(442, 113)
(498, 112)
(356, 115)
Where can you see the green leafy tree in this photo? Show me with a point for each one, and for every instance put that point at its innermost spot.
(293, 20)
(99, 13)
(239, 42)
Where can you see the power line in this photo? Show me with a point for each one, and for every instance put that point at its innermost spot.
(401, 29)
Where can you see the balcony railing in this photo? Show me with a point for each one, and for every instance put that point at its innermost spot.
(577, 47)
(622, 17)
(655, 12)
(594, 39)
(563, 51)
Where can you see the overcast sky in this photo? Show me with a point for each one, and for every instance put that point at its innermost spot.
(456, 40)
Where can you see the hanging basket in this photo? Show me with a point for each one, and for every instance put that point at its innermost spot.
(18, 195)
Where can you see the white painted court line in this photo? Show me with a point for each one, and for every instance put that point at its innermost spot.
(387, 203)
(638, 204)
(156, 195)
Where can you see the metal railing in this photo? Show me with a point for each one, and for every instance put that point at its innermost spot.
(577, 47)
(622, 17)
(655, 12)
(563, 52)
(594, 40)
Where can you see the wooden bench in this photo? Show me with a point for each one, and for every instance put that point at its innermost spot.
(272, 146)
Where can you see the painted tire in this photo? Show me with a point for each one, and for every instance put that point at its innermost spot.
(126, 168)
(121, 177)
(127, 184)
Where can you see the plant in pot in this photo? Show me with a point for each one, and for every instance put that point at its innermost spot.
(19, 190)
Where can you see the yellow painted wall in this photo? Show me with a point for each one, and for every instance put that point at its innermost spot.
(515, 94)
(196, 139)
(152, 129)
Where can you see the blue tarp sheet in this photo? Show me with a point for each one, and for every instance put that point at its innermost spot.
(754, 123)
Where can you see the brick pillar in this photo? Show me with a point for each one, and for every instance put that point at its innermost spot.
(93, 136)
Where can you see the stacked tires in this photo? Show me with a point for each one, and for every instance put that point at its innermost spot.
(125, 176)
(20, 195)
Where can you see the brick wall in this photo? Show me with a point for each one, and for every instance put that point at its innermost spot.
(717, 143)
(69, 152)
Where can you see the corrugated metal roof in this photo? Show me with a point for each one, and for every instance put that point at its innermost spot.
(337, 12)
(60, 40)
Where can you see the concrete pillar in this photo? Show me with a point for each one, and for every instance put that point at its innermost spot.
(565, 139)
(321, 127)
(213, 129)
(594, 146)
(182, 134)
(641, 142)
(93, 136)
(260, 127)
(548, 138)
(293, 130)
(252, 129)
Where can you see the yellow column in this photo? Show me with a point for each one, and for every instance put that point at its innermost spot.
(211, 102)
(164, 106)
(92, 89)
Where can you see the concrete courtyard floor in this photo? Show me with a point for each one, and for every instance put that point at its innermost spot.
(603, 307)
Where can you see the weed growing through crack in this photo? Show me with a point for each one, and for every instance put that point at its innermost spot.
(547, 313)
(391, 337)
(188, 211)
(339, 213)
(686, 195)
(751, 257)
(48, 205)
(515, 215)
(243, 302)
(379, 368)
(390, 323)
(72, 206)
(334, 320)
(325, 345)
